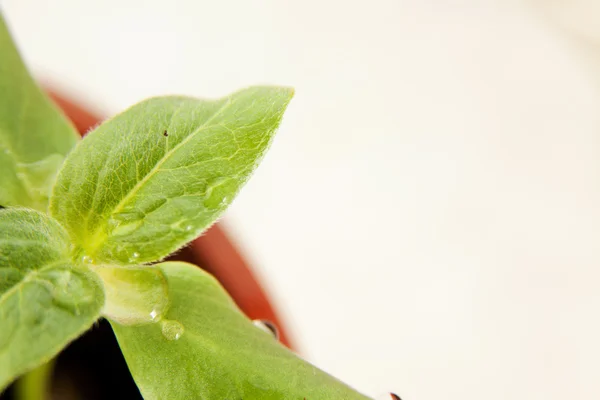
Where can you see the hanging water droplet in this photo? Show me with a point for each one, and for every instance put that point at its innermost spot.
(87, 260)
(134, 295)
(267, 326)
(171, 330)
(389, 396)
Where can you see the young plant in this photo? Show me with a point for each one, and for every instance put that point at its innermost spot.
(85, 224)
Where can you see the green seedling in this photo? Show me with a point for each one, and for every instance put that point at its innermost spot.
(85, 224)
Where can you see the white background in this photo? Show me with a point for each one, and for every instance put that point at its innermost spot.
(429, 216)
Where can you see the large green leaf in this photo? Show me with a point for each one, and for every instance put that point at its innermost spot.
(205, 348)
(45, 301)
(153, 178)
(34, 135)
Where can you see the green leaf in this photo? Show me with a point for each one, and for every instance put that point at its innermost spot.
(153, 178)
(205, 348)
(34, 136)
(45, 301)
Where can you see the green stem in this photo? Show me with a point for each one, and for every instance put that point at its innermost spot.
(34, 385)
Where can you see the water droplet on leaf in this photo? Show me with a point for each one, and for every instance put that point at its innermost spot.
(171, 330)
(134, 256)
(87, 260)
(267, 326)
(188, 228)
(215, 198)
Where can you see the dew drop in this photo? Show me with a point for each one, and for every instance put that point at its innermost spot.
(171, 330)
(188, 228)
(267, 326)
(134, 256)
(87, 260)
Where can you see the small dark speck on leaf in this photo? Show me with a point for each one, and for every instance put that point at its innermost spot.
(165, 133)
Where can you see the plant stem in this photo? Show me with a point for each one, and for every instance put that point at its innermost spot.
(34, 385)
